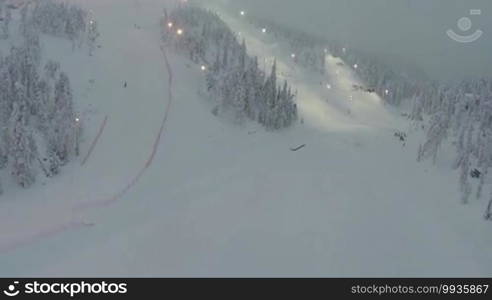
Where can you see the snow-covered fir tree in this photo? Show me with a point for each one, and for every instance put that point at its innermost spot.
(22, 149)
(92, 36)
(62, 135)
(6, 17)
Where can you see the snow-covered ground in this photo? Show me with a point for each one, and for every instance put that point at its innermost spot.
(220, 199)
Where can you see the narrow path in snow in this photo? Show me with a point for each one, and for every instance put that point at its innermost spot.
(96, 139)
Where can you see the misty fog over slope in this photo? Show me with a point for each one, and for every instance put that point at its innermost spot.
(408, 32)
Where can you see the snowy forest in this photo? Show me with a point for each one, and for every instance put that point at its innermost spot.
(460, 115)
(456, 114)
(234, 79)
(41, 129)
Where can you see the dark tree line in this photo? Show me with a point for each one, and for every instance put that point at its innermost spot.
(234, 78)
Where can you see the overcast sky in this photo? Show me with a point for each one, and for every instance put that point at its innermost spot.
(412, 31)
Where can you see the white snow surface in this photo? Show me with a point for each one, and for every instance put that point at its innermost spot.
(226, 200)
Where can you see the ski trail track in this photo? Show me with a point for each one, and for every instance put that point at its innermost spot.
(96, 140)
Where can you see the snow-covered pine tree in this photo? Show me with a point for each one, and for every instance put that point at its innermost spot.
(23, 27)
(488, 211)
(242, 56)
(465, 185)
(62, 136)
(254, 84)
(484, 147)
(461, 149)
(44, 106)
(270, 98)
(3, 147)
(436, 135)
(51, 70)
(417, 108)
(71, 27)
(92, 36)
(60, 19)
(7, 17)
(22, 149)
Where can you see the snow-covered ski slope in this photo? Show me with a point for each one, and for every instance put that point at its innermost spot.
(226, 200)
